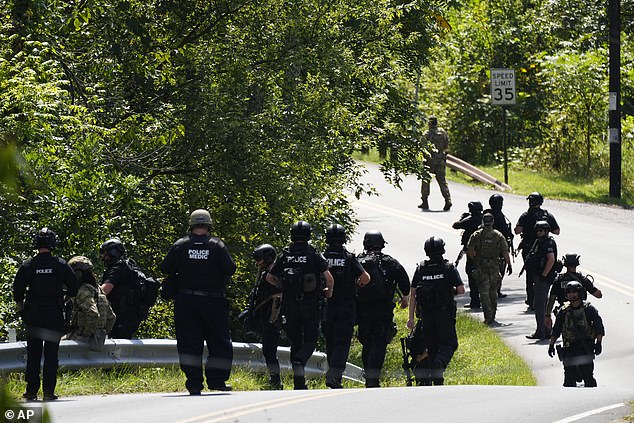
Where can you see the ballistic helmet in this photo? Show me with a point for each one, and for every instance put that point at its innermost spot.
(113, 247)
(433, 121)
(373, 239)
(300, 231)
(542, 224)
(265, 252)
(200, 217)
(475, 207)
(80, 263)
(571, 259)
(488, 219)
(434, 246)
(535, 199)
(45, 238)
(574, 286)
(495, 201)
(335, 234)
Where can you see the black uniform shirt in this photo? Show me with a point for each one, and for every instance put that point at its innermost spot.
(200, 263)
(527, 222)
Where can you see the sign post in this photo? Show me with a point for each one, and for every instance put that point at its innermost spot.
(503, 94)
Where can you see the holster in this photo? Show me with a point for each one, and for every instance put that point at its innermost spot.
(561, 352)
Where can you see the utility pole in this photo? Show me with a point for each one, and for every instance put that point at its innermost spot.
(614, 137)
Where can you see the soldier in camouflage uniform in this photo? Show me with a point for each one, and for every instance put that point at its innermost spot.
(485, 247)
(436, 163)
(91, 312)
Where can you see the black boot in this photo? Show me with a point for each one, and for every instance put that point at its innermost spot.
(275, 383)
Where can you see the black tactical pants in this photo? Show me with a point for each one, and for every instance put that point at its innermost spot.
(203, 320)
(474, 292)
(270, 341)
(302, 329)
(376, 331)
(439, 326)
(34, 349)
(126, 323)
(338, 330)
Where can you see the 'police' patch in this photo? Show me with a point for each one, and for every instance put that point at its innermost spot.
(44, 271)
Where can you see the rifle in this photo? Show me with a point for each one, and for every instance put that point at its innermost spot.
(460, 256)
(530, 256)
(406, 364)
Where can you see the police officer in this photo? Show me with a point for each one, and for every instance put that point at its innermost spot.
(525, 227)
(201, 266)
(266, 313)
(502, 224)
(540, 262)
(469, 223)
(431, 298)
(298, 271)
(437, 164)
(89, 315)
(485, 247)
(338, 327)
(116, 283)
(375, 304)
(38, 291)
(558, 288)
(582, 331)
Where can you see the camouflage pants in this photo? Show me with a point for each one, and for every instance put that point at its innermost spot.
(489, 280)
(438, 168)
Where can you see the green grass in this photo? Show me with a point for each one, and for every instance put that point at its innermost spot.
(482, 358)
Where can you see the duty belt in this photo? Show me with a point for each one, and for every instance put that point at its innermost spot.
(211, 294)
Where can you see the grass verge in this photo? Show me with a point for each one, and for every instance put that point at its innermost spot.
(482, 358)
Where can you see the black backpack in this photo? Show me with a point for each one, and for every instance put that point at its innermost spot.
(378, 289)
(144, 289)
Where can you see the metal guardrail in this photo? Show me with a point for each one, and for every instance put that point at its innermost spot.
(160, 353)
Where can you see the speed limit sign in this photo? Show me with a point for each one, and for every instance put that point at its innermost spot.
(502, 86)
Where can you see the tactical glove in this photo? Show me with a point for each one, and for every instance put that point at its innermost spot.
(551, 350)
(597, 348)
(509, 269)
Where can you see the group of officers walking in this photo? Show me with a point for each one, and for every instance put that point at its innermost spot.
(301, 290)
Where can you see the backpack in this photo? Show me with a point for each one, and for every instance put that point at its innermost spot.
(378, 288)
(144, 289)
(435, 289)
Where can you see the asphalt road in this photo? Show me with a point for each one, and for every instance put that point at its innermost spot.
(603, 236)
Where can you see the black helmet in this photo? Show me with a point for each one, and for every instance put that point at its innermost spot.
(300, 231)
(574, 286)
(535, 199)
(373, 239)
(542, 224)
(495, 201)
(45, 238)
(265, 252)
(113, 247)
(475, 207)
(488, 219)
(335, 234)
(434, 246)
(433, 121)
(571, 259)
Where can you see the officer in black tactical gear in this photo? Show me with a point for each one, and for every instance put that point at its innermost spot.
(431, 299)
(502, 224)
(38, 291)
(338, 327)
(582, 331)
(116, 283)
(558, 289)
(265, 315)
(540, 261)
(469, 223)
(201, 266)
(298, 271)
(375, 304)
(525, 227)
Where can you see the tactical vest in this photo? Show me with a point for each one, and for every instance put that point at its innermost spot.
(434, 287)
(489, 247)
(380, 288)
(576, 326)
(300, 274)
(339, 262)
